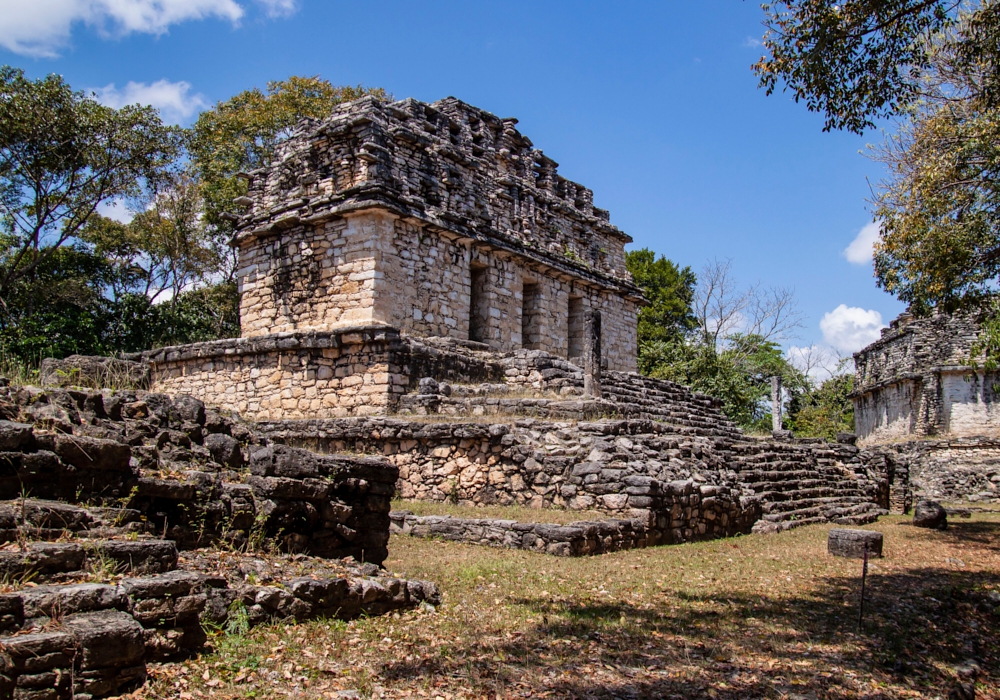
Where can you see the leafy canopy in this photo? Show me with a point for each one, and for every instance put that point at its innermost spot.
(61, 155)
(852, 60)
(242, 134)
(669, 289)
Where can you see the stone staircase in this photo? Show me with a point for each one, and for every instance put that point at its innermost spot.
(660, 400)
(801, 483)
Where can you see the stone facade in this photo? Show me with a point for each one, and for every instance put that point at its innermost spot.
(921, 407)
(438, 220)
(916, 381)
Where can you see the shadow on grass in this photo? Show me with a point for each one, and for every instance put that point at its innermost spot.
(918, 625)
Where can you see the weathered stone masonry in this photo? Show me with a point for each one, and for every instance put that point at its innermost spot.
(439, 220)
(920, 406)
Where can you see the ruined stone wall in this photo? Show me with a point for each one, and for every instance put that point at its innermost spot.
(174, 469)
(677, 488)
(954, 470)
(916, 381)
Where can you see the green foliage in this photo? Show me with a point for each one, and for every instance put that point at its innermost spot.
(852, 60)
(72, 281)
(670, 292)
(940, 245)
(242, 134)
(61, 155)
(738, 374)
(823, 411)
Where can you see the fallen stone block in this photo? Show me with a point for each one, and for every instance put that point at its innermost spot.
(930, 514)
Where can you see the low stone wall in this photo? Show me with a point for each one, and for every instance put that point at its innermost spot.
(349, 372)
(676, 486)
(354, 371)
(94, 640)
(580, 538)
(961, 469)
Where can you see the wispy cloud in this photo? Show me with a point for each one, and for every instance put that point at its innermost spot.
(860, 251)
(752, 42)
(42, 28)
(175, 101)
(279, 8)
(850, 328)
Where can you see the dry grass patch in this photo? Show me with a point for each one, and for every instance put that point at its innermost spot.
(751, 617)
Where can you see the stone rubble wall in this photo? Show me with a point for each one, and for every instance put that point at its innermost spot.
(92, 640)
(676, 486)
(173, 468)
(956, 470)
(576, 539)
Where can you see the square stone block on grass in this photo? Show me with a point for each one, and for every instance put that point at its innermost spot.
(851, 543)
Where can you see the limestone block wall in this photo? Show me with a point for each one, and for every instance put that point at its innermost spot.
(953, 470)
(373, 267)
(971, 403)
(889, 413)
(356, 371)
(676, 486)
(917, 380)
(309, 278)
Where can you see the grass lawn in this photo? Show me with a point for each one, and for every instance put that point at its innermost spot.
(768, 616)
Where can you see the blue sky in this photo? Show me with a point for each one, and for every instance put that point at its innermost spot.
(650, 104)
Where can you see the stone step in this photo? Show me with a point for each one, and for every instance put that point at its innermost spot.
(50, 560)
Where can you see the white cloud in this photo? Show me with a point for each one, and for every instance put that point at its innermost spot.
(850, 328)
(861, 248)
(43, 27)
(279, 8)
(116, 210)
(174, 100)
(752, 42)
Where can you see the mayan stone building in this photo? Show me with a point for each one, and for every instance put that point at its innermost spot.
(920, 405)
(917, 381)
(391, 221)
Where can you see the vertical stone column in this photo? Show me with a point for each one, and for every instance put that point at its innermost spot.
(776, 403)
(592, 354)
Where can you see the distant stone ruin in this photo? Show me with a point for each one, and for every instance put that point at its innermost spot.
(922, 406)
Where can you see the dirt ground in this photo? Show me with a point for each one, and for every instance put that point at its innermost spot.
(770, 616)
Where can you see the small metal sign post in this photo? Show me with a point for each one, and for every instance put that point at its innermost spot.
(864, 575)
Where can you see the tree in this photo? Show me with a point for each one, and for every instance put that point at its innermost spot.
(824, 410)
(242, 134)
(940, 242)
(857, 60)
(669, 289)
(935, 64)
(61, 155)
(722, 340)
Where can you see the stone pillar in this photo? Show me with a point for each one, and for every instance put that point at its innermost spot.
(592, 354)
(776, 403)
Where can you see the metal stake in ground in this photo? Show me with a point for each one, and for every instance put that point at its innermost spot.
(864, 575)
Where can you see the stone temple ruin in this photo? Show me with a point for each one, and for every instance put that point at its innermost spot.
(428, 310)
(921, 405)
(388, 222)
